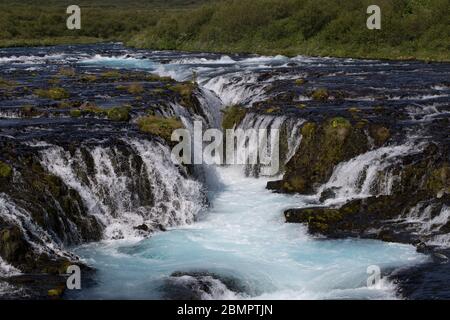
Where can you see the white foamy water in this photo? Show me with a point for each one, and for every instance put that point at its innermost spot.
(244, 237)
(366, 175)
(109, 193)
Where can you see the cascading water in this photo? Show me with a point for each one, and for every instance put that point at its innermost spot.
(366, 175)
(221, 250)
(40, 240)
(253, 121)
(127, 187)
(241, 248)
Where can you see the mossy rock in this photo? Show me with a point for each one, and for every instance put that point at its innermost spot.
(135, 88)
(5, 170)
(320, 94)
(232, 116)
(67, 72)
(111, 74)
(162, 127)
(185, 89)
(119, 114)
(52, 93)
(28, 111)
(7, 84)
(379, 134)
(300, 82)
(88, 78)
(324, 145)
(75, 113)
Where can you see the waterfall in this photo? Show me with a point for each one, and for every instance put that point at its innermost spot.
(366, 175)
(289, 142)
(237, 89)
(129, 184)
(40, 240)
(427, 220)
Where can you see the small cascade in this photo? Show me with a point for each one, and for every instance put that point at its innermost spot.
(429, 221)
(235, 89)
(366, 175)
(40, 240)
(288, 143)
(128, 185)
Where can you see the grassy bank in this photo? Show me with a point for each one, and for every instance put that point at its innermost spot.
(410, 28)
(417, 29)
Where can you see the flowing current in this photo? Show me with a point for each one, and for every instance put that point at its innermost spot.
(239, 247)
(243, 237)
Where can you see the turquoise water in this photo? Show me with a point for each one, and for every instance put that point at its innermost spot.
(243, 236)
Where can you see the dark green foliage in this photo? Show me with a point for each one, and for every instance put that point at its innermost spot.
(410, 28)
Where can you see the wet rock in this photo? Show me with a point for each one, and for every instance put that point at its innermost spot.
(324, 145)
(329, 193)
(200, 285)
(142, 227)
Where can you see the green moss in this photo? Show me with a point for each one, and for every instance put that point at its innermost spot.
(162, 127)
(111, 74)
(135, 88)
(157, 78)
(76, 113)
(29, 111)
(439, 180)
(272, 110)
(185, 89)
(300, 82)
(7, 84)
(308, 129)
(5, 170)
(67, 72)
(340, 122)
(119, 114)
(380, 134)
(88, 78)
(52, 93)
(320, 94)
(354, 110)
(233, 115)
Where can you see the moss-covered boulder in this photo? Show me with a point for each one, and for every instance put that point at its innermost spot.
(324, 145)
(158, 126)
(320, 94)
(52, 93)
(232, 116)
(5, 170)
(119, 114)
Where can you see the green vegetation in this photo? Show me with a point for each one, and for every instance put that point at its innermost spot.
(52, 93)
(5, 170)
(162, 127)
(184, 89)
(111, 74)
(119, 114)
(67, 72)
(135, 88)
(7, 84)
(410, 28)
(320, 94)
(232, 116)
